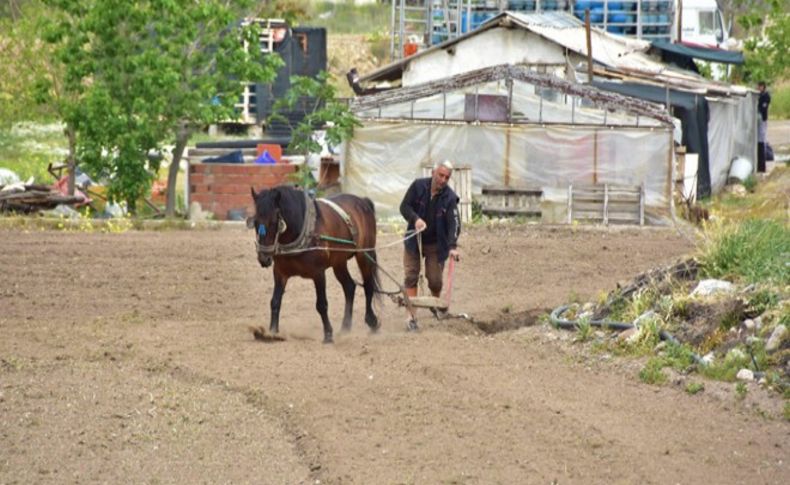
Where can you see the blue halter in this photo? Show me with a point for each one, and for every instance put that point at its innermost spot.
(261, 230)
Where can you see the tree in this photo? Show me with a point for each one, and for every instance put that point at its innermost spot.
(317, 100)
(147, 71)
(765, 27)
(767, 48)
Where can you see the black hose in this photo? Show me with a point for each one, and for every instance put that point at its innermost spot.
(556, 319)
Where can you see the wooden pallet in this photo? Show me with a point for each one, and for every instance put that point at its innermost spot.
(607, 203)
(511, 201)
(461, 183)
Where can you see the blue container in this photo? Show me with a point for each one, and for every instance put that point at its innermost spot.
(614, 29)
(618, 18)
(596, 15)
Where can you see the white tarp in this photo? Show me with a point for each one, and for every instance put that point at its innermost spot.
(383, 158)
(731, 133)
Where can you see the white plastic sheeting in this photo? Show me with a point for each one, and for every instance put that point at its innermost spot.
(383, 158)
(732, 133)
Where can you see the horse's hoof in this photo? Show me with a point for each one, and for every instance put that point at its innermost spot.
(328, 339)
(411, 325)
(345, 328)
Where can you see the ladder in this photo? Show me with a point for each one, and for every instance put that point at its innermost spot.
(247, 107)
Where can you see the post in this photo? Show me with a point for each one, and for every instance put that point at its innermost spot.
(589, 45)
(680, 21)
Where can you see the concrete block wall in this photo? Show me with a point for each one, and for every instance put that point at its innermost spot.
(223, 187)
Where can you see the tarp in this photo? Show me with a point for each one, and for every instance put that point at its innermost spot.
(693, 112)
(693, 52)
(383, 157)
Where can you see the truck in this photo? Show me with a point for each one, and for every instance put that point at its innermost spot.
(420, 24)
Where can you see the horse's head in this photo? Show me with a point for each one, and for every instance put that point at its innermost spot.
(267, 223)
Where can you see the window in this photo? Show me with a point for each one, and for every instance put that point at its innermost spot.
(707, 22)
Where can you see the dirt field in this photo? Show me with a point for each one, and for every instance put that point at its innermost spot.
(126, 358)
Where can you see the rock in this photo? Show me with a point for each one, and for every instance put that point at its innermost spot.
(749, 324)
(712, 287)
(660, 346)
(758, 323)
(645, 317)
(708, 358)
(745, 375)
(628, 335)
(776, 338)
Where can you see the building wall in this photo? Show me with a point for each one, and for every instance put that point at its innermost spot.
(490, 48)
(223, 187)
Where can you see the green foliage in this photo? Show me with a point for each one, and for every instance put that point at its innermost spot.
(317, 100)
(767, 50)
(762, 300)
(652, 372)
(750, 183)
(741, 390)
(24, 61)
(583, 329)
(780, 101)
(751, 251)
(135, 72)
(695, 387)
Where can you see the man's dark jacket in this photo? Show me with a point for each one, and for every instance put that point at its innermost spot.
(448, 224)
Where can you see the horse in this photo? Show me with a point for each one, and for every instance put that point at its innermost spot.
(304, 237)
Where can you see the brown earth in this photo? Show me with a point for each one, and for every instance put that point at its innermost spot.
(126, 358)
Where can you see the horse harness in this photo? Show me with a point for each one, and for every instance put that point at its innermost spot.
(307, 234)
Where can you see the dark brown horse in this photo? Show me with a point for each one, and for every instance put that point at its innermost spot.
(304, 237)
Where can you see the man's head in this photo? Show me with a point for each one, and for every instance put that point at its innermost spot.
(441, 175)
(761, 86)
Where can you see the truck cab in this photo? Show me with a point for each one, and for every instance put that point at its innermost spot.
(702, 23)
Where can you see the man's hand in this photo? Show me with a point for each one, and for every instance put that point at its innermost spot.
(455, 254)
(419, 225)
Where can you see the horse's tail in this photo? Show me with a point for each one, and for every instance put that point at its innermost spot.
(371, 209)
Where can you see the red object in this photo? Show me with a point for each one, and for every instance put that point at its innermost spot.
(275, 151)
(62, 186)
(450, 271)
(409, 49)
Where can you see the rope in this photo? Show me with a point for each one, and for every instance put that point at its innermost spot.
(348, 250)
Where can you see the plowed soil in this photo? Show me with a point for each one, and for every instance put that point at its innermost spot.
(126, 358)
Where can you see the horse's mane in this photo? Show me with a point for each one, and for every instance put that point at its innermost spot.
(292, 207)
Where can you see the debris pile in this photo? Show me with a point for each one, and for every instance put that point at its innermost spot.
(27, 198)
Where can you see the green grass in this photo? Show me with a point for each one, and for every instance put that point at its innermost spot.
(26, 149)
(752, 251)
(780, 101)
(695, 387)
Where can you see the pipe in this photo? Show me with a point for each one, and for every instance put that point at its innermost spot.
(556, 319)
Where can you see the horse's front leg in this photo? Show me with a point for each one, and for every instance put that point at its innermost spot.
(277, 298)
(321, 305)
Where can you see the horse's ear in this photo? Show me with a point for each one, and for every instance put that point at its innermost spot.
(254, 195)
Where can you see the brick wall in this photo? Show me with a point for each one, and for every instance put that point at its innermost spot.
(222, 187)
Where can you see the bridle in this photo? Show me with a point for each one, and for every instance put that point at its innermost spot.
(305, 235)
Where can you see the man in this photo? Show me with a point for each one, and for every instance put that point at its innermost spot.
(430, 207)
(762, 125)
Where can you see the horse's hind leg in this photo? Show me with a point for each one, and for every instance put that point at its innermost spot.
(368, 270)
(321, 305)
(344, 277)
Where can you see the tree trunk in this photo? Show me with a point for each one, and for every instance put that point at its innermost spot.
(71, 160)
(182, 138)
